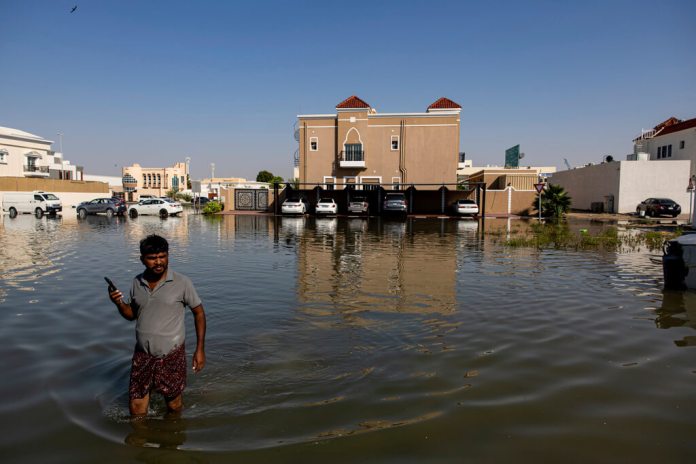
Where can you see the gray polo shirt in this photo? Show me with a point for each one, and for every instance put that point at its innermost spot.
(160, 325)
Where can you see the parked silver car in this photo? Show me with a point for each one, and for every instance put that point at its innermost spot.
(395, 203)
(359, 205)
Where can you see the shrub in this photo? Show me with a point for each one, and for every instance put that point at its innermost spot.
(212, 208)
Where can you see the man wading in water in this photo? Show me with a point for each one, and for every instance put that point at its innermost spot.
(158, 297)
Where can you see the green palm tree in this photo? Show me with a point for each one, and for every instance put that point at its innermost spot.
(555, 201)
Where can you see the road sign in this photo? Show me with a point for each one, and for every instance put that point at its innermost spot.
(539, 187)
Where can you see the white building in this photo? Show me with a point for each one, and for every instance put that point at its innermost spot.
(27, 155)
(672, 139)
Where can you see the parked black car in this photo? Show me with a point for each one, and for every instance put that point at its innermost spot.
(201, 201)
(658, 207)
(108, 206)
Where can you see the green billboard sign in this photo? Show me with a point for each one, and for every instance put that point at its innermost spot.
(512, 157)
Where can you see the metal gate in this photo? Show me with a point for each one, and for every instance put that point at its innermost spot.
(251, 199)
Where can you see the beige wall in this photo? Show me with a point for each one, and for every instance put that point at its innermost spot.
(428, 147)
(70, 192)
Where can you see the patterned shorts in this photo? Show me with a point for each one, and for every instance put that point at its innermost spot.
(165, 374)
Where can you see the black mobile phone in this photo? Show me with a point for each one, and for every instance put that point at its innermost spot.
(112, 287)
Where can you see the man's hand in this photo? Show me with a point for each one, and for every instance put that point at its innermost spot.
(116, 297)
(125, 309)
(198, 360)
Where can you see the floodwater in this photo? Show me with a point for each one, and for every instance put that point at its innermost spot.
(348, 340)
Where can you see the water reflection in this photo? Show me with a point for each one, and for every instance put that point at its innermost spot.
(396, 268)
(166, 433)
(678, 309)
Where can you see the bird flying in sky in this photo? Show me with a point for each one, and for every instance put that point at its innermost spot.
(73, 9)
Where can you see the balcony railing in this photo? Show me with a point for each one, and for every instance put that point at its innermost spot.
(37, 169)
(352, 159)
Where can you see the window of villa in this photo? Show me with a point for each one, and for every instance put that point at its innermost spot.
(396, 183)
(394, 142)
(681, 145)
(4, 154)
(329, 183)
(669, 151)
(354, 152)
(313, 143)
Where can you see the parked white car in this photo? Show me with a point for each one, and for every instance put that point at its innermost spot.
(294, 206)
(155, 206)
(466, 207)
(326, 206)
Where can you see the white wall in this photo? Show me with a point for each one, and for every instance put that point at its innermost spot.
(113, 181)
(629, 181)
(589, 184)
(659, 179)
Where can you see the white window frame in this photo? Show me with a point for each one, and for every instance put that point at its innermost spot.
(355, 179)
(398, 143)
(316, 141)
(396, 181)
(333, 183)
(379, 181)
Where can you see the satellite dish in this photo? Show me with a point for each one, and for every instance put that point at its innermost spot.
(521, 155)
(608, 159)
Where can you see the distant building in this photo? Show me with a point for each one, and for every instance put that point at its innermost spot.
(672, 139)
(358, 146)
(27, 155)
(139, 181)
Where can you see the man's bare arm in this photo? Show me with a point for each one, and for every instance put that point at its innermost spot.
(199, 354)
(125, 309)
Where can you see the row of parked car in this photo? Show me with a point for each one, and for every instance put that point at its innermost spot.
(392, 203)
(115, 206)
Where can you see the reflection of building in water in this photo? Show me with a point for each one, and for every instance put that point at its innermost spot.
(30, 248)
(356, 265)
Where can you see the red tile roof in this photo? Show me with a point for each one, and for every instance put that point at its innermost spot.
(669, 126)
(675, 126)
(444, 103)
(353, 102)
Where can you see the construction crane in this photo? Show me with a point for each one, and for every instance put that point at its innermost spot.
(565, 160)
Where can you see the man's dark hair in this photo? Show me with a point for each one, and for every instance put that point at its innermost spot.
(153, 244)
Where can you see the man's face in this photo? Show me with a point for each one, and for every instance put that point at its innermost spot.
(156, 263)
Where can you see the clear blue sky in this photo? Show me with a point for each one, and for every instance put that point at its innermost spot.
(222, 81)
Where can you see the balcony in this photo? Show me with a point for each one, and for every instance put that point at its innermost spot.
(352, 159)
(31, 170)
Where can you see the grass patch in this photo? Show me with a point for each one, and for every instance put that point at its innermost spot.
(558, 235)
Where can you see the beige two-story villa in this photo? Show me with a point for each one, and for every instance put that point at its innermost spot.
(359, 146)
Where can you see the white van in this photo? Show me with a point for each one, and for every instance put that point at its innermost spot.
(39, 203)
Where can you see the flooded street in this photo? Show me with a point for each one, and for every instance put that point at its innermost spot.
(350, 340)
